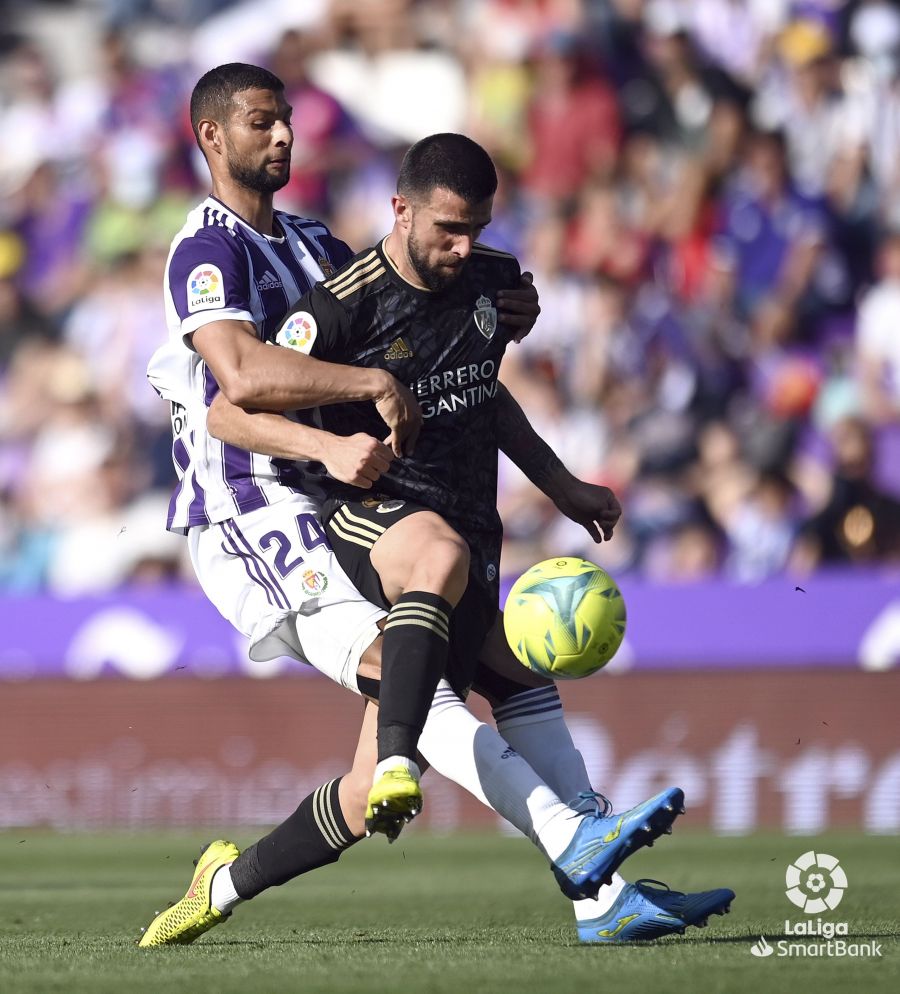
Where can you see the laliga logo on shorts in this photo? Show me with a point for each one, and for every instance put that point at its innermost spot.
(815, 882)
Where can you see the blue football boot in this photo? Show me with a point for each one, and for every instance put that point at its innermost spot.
(644, 912)
(604, 841)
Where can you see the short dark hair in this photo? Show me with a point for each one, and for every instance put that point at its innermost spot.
(453, 162)
(215, 90)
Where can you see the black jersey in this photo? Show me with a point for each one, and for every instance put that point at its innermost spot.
(446, 346)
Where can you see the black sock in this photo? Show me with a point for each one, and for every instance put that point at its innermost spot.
(314, 835)
(413, 659)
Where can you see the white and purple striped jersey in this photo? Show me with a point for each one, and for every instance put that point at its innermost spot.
(220, 268)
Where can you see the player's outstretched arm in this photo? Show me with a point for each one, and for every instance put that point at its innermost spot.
(257, 376)
(357, 459)
(594, 507)
(252, 373)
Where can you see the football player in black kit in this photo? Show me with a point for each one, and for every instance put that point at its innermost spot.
(421, 304)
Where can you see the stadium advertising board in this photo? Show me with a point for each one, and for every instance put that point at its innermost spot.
(799, 750)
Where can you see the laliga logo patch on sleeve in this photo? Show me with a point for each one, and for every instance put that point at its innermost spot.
(298, 332)
(205, 288)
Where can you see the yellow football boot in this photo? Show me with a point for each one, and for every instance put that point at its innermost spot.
(394, 800)
(193, 914)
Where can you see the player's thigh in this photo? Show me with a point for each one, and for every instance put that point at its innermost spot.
(422, 552)
(383, 543)
(273, 575)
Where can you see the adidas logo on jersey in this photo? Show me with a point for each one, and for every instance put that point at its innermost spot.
(268, 281)
(399, 350)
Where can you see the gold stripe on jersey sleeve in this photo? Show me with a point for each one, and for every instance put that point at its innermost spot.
(360, 283)
(488, 250)
(351, 271)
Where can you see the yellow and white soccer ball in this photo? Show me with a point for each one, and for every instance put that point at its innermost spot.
(564, 618)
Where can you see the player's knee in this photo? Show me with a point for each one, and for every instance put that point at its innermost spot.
(444, 566)
(422, 553)
(452, 552)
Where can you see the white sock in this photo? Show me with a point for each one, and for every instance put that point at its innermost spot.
(392, 762)
(605, 899)
(472, 754)
(222, 895)
(534, 725)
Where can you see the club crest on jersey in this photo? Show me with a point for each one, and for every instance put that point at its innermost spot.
(314, 583)
(326, 266)
(205, 288)
(485, 317)
(298, 332)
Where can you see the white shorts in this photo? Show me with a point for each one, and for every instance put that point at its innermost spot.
(272, 574)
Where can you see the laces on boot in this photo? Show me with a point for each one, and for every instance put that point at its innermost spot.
(592, 802)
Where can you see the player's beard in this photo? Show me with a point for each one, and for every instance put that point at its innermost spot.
(433, 279)
(255, 178)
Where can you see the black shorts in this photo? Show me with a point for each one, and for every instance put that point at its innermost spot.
(353, 527)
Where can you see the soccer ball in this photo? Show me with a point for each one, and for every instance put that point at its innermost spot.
(564, 618)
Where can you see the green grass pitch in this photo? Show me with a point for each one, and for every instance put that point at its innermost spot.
(469, 914)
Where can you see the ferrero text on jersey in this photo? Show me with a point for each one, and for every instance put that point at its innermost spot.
(439, 393)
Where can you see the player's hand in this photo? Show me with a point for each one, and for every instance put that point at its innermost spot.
(401, 412)
(595, 508)
(357, 459)
(519, 308)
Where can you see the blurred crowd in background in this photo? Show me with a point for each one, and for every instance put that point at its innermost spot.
(707, 191)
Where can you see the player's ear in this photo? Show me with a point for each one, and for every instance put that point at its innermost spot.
(210, 135)
(402, 210)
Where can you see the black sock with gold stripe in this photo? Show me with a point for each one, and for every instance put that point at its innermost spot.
(413, 658)
(314, 835)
